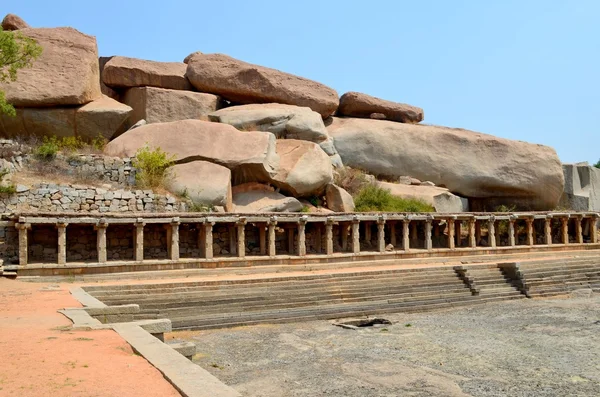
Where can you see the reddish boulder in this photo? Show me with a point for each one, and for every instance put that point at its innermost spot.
(123, 72)
(356, 104)
(13, 22)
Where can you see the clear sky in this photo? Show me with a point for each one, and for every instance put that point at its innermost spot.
(519, 69)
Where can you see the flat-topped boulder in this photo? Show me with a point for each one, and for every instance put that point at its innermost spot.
(13, 22)
(250, 155)
(253, 197)
(123, 72)
(203, 183)
(65, 74)
(304, 168)
(244, 83)
(161, 105)
(471, 164)
(356, 104)
(285, 121)
(101, 118)
(439, 198)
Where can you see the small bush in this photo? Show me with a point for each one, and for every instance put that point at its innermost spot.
(99, 143)
(352, 180)
(151, 166)
(375, 199)
(8, 189)
(71, 144)
(48, 149)
(597, 165)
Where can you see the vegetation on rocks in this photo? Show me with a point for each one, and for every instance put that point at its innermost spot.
(16, 52)
(351, 180)
(152, 165)
(373, 198)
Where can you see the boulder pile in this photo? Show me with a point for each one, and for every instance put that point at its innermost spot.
(249, 138)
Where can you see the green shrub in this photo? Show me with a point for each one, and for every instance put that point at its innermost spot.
(48, 149)
(597, 165)
(151, 166)
(71, 144)
(99, 143)
(8, 189)
(372, 198)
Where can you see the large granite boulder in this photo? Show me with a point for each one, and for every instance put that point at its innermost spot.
(251, 156)
(106, 90)
(160, 105)
(304, 168)
(582, 187)
(13, 22)
(203, 183)
(65, 74)
(356, 104)
(338, 200)
(439, 198)
(242, 82)
(250, 198)
(123, 72)
(488, 170)
(102, 117)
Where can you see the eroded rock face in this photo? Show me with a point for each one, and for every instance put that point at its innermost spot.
(338, 200)
(477, 166)
(102, 117)
(106, 90)
(582, 187)
(356, 104)
(242, 82)
(202, 182)
(251, 155)
(123, 72)
(13, 22)
(160, 105)
(439, 198)
(304, 168)
(65, 74)
(253, 197)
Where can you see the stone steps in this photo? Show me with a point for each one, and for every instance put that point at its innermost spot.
(558, 277)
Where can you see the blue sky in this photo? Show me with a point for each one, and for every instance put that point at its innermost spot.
(526, 70)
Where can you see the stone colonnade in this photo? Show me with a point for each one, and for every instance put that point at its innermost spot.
(394, 232)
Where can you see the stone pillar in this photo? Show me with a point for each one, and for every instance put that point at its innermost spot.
(241, 238)
(355, 236)
(367, 233)
(344, 235)
(62, 242)
(302, 236)
(405, 235)
(451, 224)
(458, 232)
(174, 239)
(472, 237)
(23, 242)
(492, 232)
(511, 232)
(393, 233)
(329, 236)
(101, 241)
(262, 234)
(319, 238)
(271, 226)
(594, 228)
(138, 239)
(548, 229)
(208, 240)
(565, 229)
(381, 235)
(530, 240)
(428, 242)
(477, 232)
(579, 229)
(232, 240)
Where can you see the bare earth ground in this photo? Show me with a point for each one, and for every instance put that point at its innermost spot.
(41, 356)
(528, 347)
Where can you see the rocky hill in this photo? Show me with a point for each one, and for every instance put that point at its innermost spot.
(246, 137)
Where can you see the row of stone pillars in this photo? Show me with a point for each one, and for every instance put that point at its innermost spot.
(268, 240)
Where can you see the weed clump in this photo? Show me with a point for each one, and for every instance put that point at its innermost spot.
(151, 166)
(372, 198)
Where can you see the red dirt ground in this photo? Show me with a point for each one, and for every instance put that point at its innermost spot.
(41, 356)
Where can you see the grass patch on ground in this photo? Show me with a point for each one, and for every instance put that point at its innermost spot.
(372, 198)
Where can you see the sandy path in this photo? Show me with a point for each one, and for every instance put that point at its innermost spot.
(41, 356)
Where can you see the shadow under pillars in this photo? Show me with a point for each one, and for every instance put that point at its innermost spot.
(156, 241)
(190, 240)
(81, 243)
(42, 244)
(119, 242)
(368, 236)
(439, 239)
(315, 238)
(256, 243)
